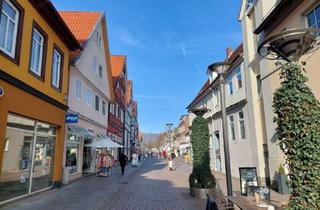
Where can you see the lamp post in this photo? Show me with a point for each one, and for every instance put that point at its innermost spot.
(220, 68)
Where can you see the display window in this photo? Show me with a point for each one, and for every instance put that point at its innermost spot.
(73, 153)
(27, 164)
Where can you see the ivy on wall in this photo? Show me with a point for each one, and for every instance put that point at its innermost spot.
(298, 129)
(201, 176)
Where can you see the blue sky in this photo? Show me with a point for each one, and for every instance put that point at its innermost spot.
(169, 44)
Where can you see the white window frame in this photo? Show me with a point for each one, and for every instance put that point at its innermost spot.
(89, 95)
(97, 105)
(94, 64)
(216, 97)
(229, 80)
(78, 89)
(15, 30)
(230, 128)
(317, 22)
(40, 61)
(103, 107)
(59, 61)
(100, 68)
(237, 73)
(244, 123)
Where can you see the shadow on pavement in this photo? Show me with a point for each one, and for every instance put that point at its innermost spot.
(148, 186)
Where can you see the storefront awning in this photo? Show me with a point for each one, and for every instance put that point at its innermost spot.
(104, 143)
(79, 131)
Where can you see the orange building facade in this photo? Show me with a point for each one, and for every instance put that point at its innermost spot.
(34, 70)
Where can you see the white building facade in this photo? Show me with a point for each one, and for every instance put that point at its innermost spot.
(90, 92)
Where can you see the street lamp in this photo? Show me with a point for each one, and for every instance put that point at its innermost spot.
(220, 68)
(289, 45)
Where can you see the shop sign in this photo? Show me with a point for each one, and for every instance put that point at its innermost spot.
(1, 92)
(248, 177)
(72, 118)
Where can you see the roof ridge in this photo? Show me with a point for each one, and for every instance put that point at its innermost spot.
(82, 11)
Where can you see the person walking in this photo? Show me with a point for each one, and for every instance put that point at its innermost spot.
(123, 162)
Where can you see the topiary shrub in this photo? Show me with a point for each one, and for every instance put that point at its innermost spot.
(201, 176)
(298, 129)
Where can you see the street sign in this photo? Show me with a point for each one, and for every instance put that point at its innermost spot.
(72, 118)
(1, 92)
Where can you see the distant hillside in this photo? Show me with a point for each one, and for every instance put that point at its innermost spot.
(150, 137)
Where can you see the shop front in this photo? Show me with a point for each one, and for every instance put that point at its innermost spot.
(78, 156)
(30, 144)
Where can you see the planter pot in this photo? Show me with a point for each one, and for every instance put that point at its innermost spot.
(283, 184)
(200, 193)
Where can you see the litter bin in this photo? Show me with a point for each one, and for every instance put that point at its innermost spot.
(65, 179)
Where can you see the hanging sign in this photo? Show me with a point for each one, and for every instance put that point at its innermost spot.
(1, 92)
(72, 118)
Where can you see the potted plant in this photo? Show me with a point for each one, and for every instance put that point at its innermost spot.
(201, 179)
(283, 187)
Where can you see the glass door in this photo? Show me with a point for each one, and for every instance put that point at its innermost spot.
(42, 173)
(17, 158)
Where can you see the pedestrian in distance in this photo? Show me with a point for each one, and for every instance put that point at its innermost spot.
(170, 162)
(123, 162)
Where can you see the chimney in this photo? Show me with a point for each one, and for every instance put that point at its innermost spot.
(229, 52)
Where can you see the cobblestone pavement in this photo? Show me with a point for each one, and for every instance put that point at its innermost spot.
(147, 187)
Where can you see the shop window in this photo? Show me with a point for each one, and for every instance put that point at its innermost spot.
(9, 27)
(72, 155)
(21, 143)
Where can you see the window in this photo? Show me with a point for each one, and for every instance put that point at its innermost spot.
(232, 131)
(73, 153)
(238, 78)
(37, 52)
(100, 71)
(89, 95)
(97, 103)
(242, 125)
(8, 28)
(56, 68)
(230, 85)
(314, 18)
(94, 63)
(259, 86)
(216, 97)
(103, 107)
(30, 149)
(78, 89)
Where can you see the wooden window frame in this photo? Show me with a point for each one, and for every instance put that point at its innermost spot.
(36, 26)
(55, 47)
(16, 58)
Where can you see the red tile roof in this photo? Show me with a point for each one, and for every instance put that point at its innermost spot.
(117, 66)
(202, 90)
(81, 23)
